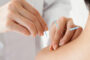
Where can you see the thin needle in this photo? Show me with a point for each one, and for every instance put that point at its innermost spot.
(74, 28)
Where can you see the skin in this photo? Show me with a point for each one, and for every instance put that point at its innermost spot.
(78, 49)
(16, 16)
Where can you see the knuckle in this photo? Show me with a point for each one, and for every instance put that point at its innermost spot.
(71, 26)
(30, 24)
(27, 23)
(70, 19)
(64, 19)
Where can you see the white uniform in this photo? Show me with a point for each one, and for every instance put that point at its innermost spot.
(19, 47)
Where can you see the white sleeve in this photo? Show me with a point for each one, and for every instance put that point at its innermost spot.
(79, 12)
(56, 10)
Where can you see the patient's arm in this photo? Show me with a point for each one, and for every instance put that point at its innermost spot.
(76, 50)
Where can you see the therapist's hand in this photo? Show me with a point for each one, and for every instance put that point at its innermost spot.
(19, 16)
(61, 34)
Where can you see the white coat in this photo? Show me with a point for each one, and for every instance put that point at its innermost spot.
(19, 47)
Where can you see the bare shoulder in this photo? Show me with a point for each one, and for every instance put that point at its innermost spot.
(46, 54)
(72, 51)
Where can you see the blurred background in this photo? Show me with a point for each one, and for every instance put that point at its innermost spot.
(78, 12)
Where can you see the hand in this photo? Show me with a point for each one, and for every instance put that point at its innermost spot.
(19, 16)
(60, 32)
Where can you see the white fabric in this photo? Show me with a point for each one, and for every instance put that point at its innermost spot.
(79, 12)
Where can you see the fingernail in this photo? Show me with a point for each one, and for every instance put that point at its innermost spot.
(61, 43)
(41, 34)
(34, 35)
(51, 49)
(55, 47)
(46, 28)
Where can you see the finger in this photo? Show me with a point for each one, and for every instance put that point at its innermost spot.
(59, 32)
(31, 17)
(14, 15)
(52, 34)
(24, 22)
(77, 33)
(32, 10)
(68, 34)
(52, 31)
(43, 23)
(12, 26)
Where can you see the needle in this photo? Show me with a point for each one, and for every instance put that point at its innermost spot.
(74, 28)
